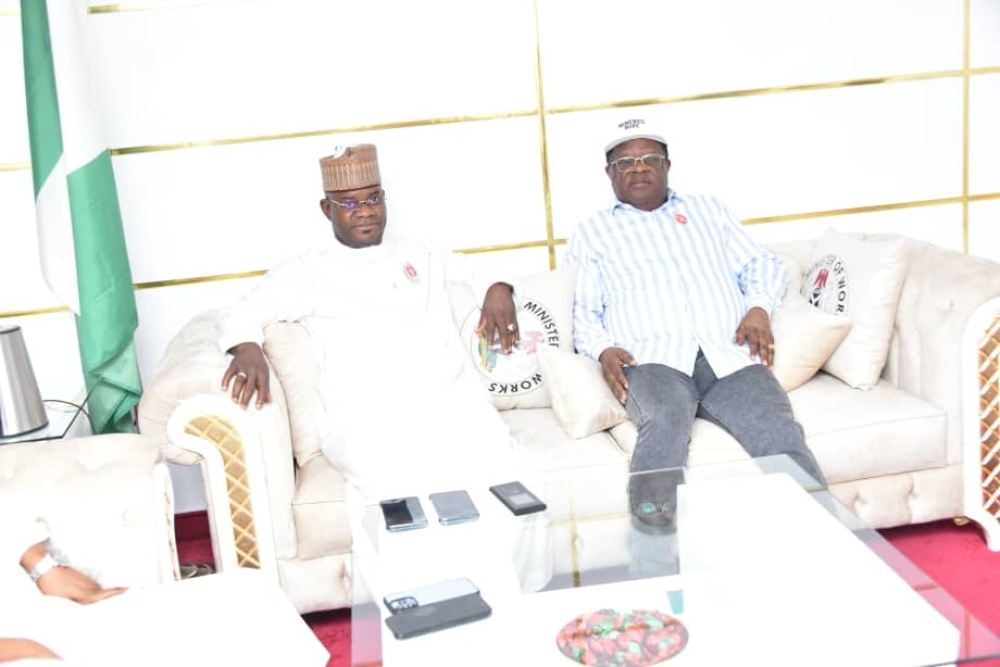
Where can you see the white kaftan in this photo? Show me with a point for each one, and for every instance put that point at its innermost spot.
(401, 404)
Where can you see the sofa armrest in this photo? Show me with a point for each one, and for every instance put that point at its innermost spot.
(107, 502)
(981, 420)
(942, 290)
(245, 455)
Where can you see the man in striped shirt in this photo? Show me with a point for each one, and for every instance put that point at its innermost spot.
(674, 300)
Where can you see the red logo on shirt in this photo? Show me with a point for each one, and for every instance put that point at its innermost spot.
(411, 273)
(681, 218)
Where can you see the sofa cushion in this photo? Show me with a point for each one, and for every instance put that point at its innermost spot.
(581, 399)
(853, 434)
(804, 339)
(860, 279)
(856, 435)
(545, 317)
(539, 432)
(289, 349)
(319, 509)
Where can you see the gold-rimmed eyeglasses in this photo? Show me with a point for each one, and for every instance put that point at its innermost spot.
(624, 164)
(352, 205)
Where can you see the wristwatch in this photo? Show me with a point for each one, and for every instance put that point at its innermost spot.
(44, 566)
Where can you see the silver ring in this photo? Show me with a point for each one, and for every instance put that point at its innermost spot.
(511, 327)
(241, 374)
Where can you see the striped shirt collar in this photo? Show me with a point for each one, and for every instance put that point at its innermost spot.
(672, 196)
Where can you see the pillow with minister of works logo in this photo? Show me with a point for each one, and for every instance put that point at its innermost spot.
(545, 318)
(862, 280)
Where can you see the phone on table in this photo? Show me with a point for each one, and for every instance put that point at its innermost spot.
(517, 498)
(454, 507)
(403, 513)
(438, 616)
(431, 594)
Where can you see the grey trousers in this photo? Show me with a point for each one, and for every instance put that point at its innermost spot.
(749, 404)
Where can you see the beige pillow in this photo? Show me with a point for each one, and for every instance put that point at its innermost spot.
(544, 319)
(804, 338)
(850, 277)
(581, 399)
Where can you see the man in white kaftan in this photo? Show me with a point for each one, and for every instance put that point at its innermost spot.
(401, 407)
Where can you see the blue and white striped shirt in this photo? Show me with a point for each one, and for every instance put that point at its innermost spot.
(663, 283)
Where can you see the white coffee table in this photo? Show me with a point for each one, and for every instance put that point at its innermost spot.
(767, 575)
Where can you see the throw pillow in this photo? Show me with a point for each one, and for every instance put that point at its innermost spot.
(851, 277)
(581, 399)
(545, 319)
(804, 339)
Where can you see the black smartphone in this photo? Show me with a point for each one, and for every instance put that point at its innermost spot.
(517, 498)
(403, 513)
(438, 616)
(454, 507)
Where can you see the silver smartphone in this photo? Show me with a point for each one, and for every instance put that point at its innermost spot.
(454, 507)
(430, 594)
(403, 513)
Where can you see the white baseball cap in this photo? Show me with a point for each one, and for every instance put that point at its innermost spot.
(633, 128)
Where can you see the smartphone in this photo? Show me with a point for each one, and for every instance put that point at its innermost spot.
(426, 595)
(403, 513)
(454, 507)
(517, 498)
(438, 616)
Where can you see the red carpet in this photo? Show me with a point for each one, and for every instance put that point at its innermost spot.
(956, 557)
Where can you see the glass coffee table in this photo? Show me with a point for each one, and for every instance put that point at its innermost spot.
(752, 562)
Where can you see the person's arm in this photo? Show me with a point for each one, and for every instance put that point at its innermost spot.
(497, 292)
(763, 277)
(589, 335)
(286, 293)
(17, 649)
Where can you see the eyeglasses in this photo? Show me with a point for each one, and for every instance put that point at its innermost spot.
(624, 164)
(352, 205)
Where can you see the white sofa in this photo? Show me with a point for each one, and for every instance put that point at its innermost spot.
(906, 451)
(107, 501)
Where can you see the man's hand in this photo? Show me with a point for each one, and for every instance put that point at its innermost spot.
(755, 329)
(249, 374)
(612, 360)
(65, 582)
(499, 317)
(16, 649)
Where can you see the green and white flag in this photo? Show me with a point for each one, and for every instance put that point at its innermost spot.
(81, 241)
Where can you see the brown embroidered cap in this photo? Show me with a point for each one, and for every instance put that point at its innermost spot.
(350, 168)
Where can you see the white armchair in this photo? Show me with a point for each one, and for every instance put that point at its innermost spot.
(107, 501)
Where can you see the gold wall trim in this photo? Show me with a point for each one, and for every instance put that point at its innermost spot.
(504, 246)
(855, 209)
(395, 125)
(34, 311)
(770, 90)
(551, 243)
(150, 5)
(525, 113)
(543, 138)
(197, 280)
(966, 84)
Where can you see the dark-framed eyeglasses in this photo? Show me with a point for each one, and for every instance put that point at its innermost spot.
(352, 205)
(624, 164)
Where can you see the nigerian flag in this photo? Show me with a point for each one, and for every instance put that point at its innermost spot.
(80, 236)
